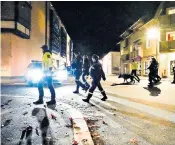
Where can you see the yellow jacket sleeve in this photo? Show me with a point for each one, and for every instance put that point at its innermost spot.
(47, 61)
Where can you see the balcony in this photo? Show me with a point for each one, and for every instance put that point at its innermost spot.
(167, 20)
(167, 46)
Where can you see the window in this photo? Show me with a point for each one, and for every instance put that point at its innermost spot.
(148, 43)
(171, 11)
(170, 36)
(172, 64)
(16, 18)
(147, 63)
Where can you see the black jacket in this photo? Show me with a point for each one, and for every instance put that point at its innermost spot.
(96, 71)
(153, 67)
(77, 63)
(86, 64)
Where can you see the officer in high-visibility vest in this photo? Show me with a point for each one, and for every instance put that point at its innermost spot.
(134, 67)
(47, 66)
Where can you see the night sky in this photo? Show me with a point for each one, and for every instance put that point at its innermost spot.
(95, 27)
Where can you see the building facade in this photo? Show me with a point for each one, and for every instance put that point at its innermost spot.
(111, 63)
(25, 27)
(149, 38)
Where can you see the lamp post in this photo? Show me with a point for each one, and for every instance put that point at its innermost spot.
(153, 34)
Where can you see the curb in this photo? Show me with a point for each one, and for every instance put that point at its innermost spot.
(82, 136)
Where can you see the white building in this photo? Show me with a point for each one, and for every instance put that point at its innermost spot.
(111, 63)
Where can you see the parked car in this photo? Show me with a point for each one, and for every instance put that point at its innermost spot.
(34, 73)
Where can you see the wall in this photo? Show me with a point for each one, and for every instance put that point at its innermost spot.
(17, 52)
(111, 63)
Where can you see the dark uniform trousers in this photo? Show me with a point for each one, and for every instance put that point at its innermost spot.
(134, 73)
(85, 73)
(49, 81)
(151, 77)
(96, 83)
(77, 80)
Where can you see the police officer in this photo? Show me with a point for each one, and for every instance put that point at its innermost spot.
(96, 72)
(77, 66)
(174, 73)
(134, 66)
(47, 66)
(86, 65)
(152, 71)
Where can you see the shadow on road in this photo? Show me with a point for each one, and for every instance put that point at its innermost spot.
(114, 84)
(155, 91)
(43, 120)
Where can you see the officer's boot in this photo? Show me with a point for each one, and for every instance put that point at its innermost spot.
(77, 88)
(88, 98)
(39, 101)
(51, 102)
(41, 95)
(104, 96)
(52, 91)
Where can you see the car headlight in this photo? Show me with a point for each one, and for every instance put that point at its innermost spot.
(61, 75)
(35, 75)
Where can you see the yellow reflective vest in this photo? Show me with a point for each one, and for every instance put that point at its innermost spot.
(47, 61)
(134, 66)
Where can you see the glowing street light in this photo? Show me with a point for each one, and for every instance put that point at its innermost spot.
(153, 33)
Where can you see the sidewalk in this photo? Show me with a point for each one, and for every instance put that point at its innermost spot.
(161, 96)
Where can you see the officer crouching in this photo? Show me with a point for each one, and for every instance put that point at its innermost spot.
(96, 73)
(47, 65)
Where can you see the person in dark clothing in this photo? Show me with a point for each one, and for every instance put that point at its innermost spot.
(96, 73)
(153, 72)
(174, 74)
(47, 66)
(157, 78)
(85, 69)
(77, 66)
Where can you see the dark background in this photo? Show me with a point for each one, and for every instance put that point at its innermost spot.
(95, 27)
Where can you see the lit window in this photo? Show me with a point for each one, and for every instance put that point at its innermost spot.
(148, 43)
(170, 36)
(171, 11)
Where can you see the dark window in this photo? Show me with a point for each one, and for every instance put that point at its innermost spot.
(63, 42)
(16, 18)
(55, 34)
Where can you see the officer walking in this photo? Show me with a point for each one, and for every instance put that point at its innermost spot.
(152, 72)
(134, 66)
(86, 65)
(77, 66)
(47, 66)
(96, 72)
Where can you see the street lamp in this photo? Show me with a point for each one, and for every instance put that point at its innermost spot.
(153, 34)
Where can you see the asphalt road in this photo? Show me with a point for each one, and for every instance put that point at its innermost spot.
(109, 123)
